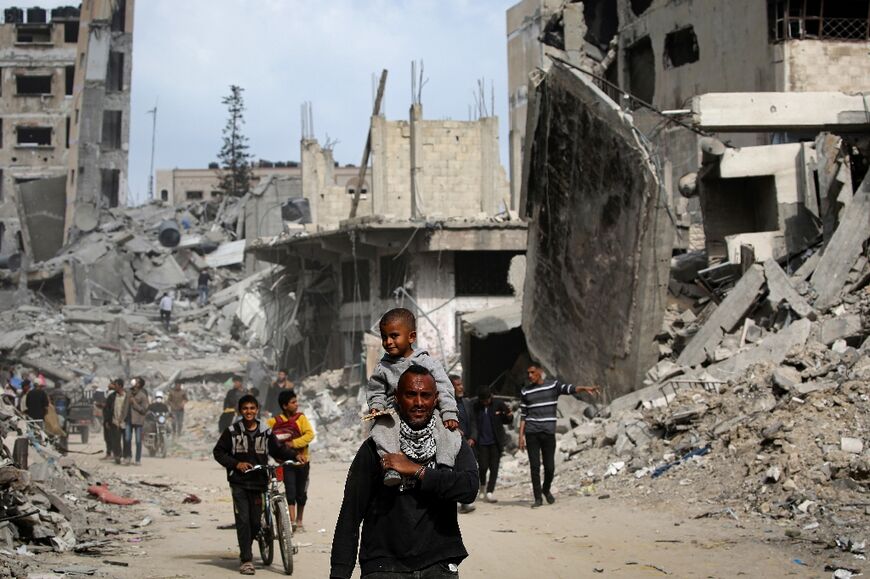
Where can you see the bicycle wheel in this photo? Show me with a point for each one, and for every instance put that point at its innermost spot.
(284, 534)
(266, 538)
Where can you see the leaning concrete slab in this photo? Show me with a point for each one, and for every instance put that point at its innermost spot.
(725, 318)
(41, 209)
(780, 289)
(841, 253)
(773, 349)
(742, 112)
(600, 239)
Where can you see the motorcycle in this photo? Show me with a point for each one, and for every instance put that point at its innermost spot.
(156, 433)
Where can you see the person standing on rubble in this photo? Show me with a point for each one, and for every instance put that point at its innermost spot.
(22, 396)
(177, 399)
(114, 418)
(37, 402)
(166, 309)
(136, 406)
(241, 446)
(412, 530)
(231, 403)
(538, 402)
(202, 286)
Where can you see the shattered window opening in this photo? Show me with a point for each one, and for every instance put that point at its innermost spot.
(33, 85)
(193, 195)
(602, 22)
(111, 130)
(681, 47)
(110, 181)
(33, 136)
(641, 70)
(355, 285)
(393, 273)
(115, 74)
(164, 195)
(482, 273)
(119, 16)
(818, 19)
(33, 34)
(69, 79)
(71, 31)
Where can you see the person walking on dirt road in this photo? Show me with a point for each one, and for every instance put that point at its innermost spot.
(241, 446)
(410, 530)
(177, 398)
(538, 403)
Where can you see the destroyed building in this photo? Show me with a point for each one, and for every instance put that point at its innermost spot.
(664, 53)
(37, 72)
(176, 186)
(434, 234)
(66, 107)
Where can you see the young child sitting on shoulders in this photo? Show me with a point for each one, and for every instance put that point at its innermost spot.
(398, 334)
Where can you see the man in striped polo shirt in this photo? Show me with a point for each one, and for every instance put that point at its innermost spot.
(538, 427)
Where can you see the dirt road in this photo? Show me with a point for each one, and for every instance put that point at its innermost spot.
(576, 537)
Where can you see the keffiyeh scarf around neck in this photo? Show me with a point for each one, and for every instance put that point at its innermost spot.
(418, 445)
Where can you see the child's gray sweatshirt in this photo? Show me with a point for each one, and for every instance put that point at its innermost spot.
(381, 388)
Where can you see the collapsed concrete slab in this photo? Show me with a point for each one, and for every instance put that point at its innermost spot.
(844, 248)
(599, 238)
(725, 318)
(41, 209)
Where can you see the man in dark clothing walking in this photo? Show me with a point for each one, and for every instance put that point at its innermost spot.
(410, 530)
(37, 402)
(464, 409)
(538, 403)
(490, 418)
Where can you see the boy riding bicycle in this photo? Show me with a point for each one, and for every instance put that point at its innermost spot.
(243, 445)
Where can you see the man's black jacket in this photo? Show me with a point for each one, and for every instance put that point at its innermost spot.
(497, 421)
(401, 531)
(237, 444)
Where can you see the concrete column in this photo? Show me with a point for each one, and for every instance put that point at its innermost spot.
(416, 114)
(489, 164)
(379, 193)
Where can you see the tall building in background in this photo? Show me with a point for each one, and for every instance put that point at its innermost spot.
(98, 163)
(37, 71)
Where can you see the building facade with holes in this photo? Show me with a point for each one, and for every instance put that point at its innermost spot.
(37, 68)
(664, 52)
(347, 278)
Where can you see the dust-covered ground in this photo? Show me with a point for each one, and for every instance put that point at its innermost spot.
(579, 536)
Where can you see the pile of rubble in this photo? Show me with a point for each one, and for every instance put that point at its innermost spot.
(760, 406)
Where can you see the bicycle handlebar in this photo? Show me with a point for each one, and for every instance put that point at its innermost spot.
(290, 462)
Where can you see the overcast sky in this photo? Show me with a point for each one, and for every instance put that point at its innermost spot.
(187, 53)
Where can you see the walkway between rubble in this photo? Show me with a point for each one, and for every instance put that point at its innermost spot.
(582, 535)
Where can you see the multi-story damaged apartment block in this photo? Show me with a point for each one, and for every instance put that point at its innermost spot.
(665, 52)
(64, 120)
(433, 232)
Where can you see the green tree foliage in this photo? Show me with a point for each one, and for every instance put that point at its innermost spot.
(235, 161)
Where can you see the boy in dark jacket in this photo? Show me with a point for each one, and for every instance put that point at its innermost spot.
(242, 446)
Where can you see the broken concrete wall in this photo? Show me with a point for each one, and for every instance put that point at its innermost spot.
(762, 191)
(41, 209)
(263, 211)
(599, 239)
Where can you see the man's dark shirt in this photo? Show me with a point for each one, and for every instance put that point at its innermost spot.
(232, 398)
(37, 404)
(401, 531)
(204, 278)
(462, 412)
(486, 434)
